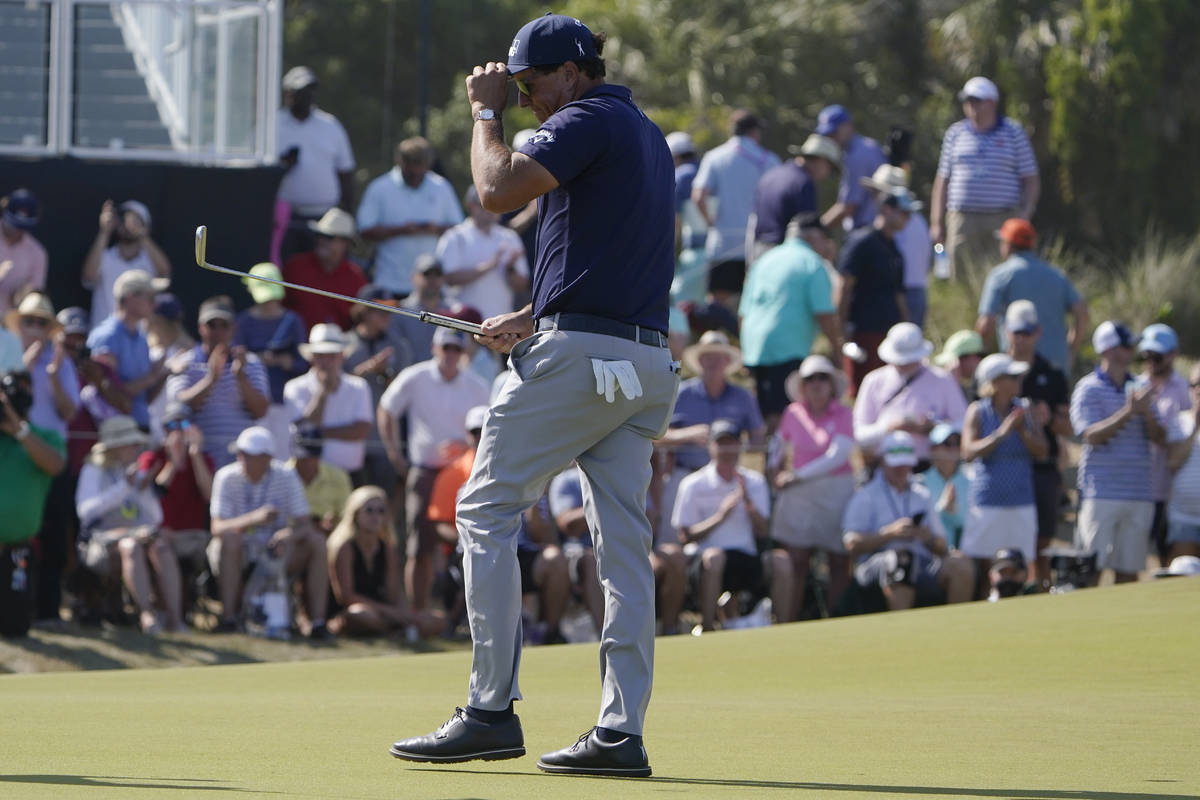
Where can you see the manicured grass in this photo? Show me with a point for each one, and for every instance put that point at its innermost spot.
(1095, 694)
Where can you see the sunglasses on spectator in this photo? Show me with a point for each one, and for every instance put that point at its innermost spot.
(34, 322)
(217, 323)
(1150, 355)
(1021, 333)
(177, 425)
(375, 509)
(952, 441)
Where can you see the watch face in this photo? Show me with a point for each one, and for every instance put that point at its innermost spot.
(486, 113)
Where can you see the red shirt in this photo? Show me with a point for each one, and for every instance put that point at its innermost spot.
(305, 270)
(183, 507)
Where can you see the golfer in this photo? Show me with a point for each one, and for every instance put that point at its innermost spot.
(592, 380)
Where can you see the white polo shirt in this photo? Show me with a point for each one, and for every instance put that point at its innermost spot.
(111, 267)
(437, 408)
(311, 187)
(701, 494)
(350, 403)
(465, 246)
(390, 201)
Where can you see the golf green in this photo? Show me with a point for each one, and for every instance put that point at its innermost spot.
(1094, 694)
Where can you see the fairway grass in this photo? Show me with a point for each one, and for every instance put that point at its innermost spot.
(1090, 695)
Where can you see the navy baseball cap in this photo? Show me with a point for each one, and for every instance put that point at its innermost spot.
(830, 118)
(167, 305)
(548, 40)
(21, 209)
(73, 320)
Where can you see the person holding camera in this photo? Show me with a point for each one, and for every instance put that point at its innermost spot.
(127, 226)
(893, 532)
(30, 457)
(119, 519)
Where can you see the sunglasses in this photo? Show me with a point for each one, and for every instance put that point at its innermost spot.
(177, 425)
(34, 322)
(217, 323)
(1152, 356)
(375, 509)
(1021, 333)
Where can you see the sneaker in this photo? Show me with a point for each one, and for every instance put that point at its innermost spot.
(464, 738)
(591, 756)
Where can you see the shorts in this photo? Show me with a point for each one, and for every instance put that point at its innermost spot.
(190, 544)
(903, 567)
(526, 559)
(1047, 494)
(727, 275)
(743, 572)
(1115, 530)
(987, 529)
(1182, 532)
(98, 551)
(809, 514)
(769, 380)
(422, 538)
(255, 546)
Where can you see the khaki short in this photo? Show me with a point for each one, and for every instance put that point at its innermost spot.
(1117, 531)
(190, 543)
(971, 245)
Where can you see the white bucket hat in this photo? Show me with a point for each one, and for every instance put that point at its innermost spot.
(904, 344)
(325, 337)
(886, 178)
(815, 365)
(117, 432)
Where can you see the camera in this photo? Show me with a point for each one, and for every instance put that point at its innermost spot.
(17, 388)
(1071, 569)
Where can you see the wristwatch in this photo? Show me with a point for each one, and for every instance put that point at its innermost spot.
(22, 431)
(485, 113)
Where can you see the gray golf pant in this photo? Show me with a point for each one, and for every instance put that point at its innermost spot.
(547, 414)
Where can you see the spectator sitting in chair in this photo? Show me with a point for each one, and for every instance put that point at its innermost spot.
(182, 474)
(364, 571)
(119, 519)
(258, 505)
(326, 487)
(897, 539)
(722, 512)
(30, 457)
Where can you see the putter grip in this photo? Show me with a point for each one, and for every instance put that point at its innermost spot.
(451, 322)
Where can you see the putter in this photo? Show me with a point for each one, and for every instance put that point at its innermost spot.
(423, 316)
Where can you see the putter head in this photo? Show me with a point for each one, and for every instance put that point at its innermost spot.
(201, 245)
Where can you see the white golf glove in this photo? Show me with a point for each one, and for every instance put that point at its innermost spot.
(611, 374)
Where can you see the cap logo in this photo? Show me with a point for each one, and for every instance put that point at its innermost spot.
(541, 137)
(512, 51)
(579, 45)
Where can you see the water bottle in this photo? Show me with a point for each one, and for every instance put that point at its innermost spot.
(20, 581)
(941, 262)
(275, 603)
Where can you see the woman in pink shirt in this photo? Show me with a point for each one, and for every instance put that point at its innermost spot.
(816, 434)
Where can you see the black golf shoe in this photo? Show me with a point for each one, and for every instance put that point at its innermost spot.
(464, 738)
(591, 756)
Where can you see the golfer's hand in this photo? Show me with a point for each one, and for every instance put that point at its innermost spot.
(487, 87)
(501, 332)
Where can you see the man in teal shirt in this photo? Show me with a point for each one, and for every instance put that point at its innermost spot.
(30, 457)
(787, 295)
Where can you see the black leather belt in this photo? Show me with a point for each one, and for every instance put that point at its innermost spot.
(587, 323)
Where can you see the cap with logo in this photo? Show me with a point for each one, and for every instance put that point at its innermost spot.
(979, 88)
(307, 440)
(724, 428)
(898, 450)
(1158, 338)
(1008, 557)
(1018, 232)
(1110, 334)
(298, 78)
(21, 209)
(167, 306)
(215, 308)
(448, 336)
(548, 40)
(254, 441)
(831, 118)
(942, 432)
(73, 320)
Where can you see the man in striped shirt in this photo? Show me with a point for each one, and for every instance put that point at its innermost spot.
(1114, 416)
(986, 174)
(225, 386)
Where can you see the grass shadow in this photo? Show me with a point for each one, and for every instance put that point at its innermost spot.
(118, 782)
(814, 786)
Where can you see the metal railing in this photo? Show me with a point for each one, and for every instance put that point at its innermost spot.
(210, 69)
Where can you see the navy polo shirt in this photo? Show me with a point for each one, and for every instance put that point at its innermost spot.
(606, 234)
(783, 192)
(878, 271)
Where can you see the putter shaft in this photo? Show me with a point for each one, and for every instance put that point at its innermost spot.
(423, 316)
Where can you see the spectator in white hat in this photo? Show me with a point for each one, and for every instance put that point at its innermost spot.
(258, 505)
(315, 152)
(325, 266)
(338, 403)
(1046, 389)
(1158, 348)
(1002, 438)
(128, 227)
(790, 189)
(1114, 415)
(809, 466)
(912, 241)
(986, 173)
(907, 394)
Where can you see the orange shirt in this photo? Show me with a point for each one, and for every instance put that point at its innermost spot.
(446, 486)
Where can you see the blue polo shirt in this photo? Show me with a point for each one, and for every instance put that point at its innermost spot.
(606, 234)
(132, 354)
(1024, 276)
(1119, 469)
(782, 193)
(694, 406)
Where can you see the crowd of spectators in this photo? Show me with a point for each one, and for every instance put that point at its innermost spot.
(296, 466)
